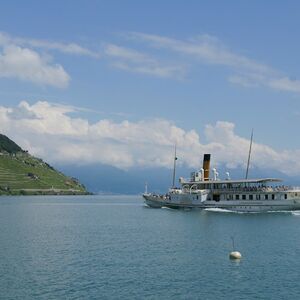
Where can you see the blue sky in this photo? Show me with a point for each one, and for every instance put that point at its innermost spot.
(190, 64)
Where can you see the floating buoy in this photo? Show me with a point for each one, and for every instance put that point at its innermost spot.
(235, 255)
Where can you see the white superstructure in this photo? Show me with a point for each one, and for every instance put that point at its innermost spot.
(247, 195)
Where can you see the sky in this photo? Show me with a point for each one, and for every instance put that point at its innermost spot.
(118, 83)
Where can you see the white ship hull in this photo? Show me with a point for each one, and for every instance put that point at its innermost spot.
(153, 201)
(186, 201)
(256, 206)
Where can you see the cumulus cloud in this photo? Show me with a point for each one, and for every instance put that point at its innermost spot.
(26, 64)
(21, 58)
(49, 131)
(22, 111)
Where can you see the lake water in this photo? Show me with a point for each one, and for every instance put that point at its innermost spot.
(113, 247)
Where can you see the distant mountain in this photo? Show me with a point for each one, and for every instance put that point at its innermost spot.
(107, 179)
(24, 174)
(110, 180)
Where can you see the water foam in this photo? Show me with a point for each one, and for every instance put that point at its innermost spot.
(216, 209)
(223, 210)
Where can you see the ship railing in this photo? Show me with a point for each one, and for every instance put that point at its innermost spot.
(262, 189)
(294, 188)
(160, 196)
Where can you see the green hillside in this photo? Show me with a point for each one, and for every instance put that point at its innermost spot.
(24, 174)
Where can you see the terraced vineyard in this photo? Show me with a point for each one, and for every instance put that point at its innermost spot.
(24, 174)
(21, 173)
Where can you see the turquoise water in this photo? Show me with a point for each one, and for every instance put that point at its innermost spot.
(113, 247)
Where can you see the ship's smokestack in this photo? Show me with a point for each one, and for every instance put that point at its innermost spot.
(206, 166)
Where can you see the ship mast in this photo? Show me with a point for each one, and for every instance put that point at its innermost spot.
(146, 187)
(174, 167)
(248, 163)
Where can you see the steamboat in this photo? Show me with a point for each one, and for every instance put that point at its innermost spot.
(244, 195)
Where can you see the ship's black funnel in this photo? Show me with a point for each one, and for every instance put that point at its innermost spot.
(206, 166)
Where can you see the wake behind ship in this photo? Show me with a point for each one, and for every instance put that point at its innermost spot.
(246, 195)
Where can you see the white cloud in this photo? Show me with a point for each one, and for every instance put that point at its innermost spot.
(20, 58)
(233, 150)
(137, 62)
(49, 131)
(247, 80)
(22, 111)
(205, 47)
(273, 82)
(69, 48)
(285, 84)
(127, 54)
(210, 50)
(28, 65)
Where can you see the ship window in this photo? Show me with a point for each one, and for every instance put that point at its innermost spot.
(216, 197)
(266, 196)
(273, 196)
(285, 196)
(237, 197)
(250, 197)
(244, 197)
(258, 197)
(197, 197)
